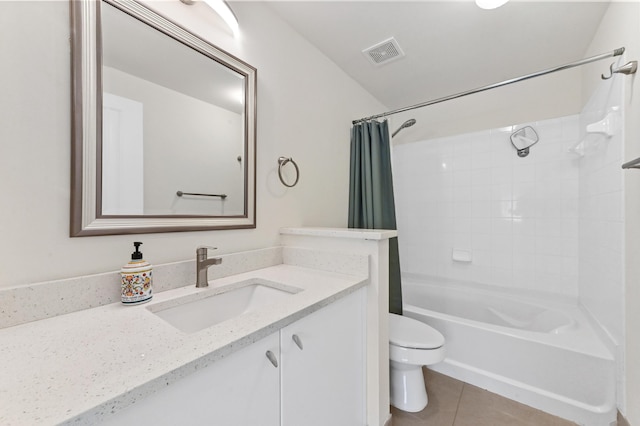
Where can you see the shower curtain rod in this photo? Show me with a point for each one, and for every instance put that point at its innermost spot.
(616, 52)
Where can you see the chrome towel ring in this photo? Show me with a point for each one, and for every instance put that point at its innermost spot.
(281, 162)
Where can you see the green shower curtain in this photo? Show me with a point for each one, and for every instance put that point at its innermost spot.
(371, 203)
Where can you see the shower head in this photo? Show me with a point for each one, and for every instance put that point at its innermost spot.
(407, 123)
(523, 139)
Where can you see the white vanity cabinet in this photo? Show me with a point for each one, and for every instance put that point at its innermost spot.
(323, 366)
(316, 376)
(241, 389)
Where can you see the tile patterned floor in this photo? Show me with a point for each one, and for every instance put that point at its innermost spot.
(455, 403)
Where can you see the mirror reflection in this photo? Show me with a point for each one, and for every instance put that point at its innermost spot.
(163, 129)
(173, 120)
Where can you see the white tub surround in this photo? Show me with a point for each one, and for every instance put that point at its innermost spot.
(375, 244)
(80, 367)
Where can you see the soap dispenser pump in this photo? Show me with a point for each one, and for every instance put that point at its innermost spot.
(137, 278)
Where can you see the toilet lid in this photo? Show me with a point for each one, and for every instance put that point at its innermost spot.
(410, 333)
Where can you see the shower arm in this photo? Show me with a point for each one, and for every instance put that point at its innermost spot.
(616, 52)
(397, 131)
(404, 125)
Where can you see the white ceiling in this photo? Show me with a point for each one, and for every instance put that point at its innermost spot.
(450, 46)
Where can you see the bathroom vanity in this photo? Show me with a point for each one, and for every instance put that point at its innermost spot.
(303, 350)
(308, 372)
(86, 365)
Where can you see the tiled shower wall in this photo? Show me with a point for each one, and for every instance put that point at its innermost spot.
(550, 222)
(516, 217)
(601, 271)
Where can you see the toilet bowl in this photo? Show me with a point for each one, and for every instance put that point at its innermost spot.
(412, 344)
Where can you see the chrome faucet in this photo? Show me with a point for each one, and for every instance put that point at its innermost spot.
(202, 265)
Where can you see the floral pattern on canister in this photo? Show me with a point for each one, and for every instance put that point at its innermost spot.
(136, 286)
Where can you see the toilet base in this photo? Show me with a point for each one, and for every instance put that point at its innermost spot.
(408, 390)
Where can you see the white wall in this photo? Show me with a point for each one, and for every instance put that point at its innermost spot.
(305, 108)
(550, 96)
(621, 27)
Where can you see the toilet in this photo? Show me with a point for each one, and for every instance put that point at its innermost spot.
(412, 344)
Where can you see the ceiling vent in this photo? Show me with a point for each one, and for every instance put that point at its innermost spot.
(384, 52)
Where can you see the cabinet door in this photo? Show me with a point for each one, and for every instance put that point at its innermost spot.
(239, 390)
(323, 381)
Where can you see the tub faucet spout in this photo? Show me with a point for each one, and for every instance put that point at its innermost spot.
(202, 265)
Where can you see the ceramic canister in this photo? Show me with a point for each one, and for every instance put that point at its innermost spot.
(137, 280)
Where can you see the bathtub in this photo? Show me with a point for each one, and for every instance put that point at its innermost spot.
(542, 353)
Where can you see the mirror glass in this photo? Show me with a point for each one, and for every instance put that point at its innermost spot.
(164, 126)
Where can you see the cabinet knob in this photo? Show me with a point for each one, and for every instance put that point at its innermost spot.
(272, 358)
(297, 341)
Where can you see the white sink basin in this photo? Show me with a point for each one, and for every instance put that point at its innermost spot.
(199, 311)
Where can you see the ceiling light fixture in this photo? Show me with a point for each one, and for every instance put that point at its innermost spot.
(222, 8)
(490, 4)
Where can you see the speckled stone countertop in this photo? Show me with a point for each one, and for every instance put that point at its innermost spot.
(349, 233)
(79, 367)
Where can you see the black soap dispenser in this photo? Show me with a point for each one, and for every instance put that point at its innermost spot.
(137, 278)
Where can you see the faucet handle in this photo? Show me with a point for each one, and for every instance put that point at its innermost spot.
(206, 248)
(201, 251)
